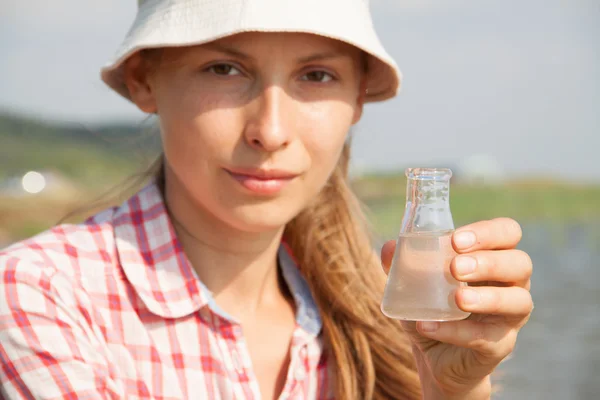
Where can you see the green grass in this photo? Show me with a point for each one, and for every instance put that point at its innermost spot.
(82, 163)
(90, 155)
(384, 198)
(524, 201)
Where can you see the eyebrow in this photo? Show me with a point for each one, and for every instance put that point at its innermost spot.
(322, 56)
(301, 60)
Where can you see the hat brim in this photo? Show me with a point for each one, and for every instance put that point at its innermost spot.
(155, 28)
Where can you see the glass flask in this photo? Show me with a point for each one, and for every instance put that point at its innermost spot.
(419, 285)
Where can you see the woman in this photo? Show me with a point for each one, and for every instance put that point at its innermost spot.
(243, 269)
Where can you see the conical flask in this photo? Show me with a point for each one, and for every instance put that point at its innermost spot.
(419, 285)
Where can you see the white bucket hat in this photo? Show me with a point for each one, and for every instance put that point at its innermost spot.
(166, 23)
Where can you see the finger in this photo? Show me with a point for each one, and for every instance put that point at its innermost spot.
(507, 301)
(524, 285)
(493, 341)
(509, 266)
(496, 234)
(387, 254)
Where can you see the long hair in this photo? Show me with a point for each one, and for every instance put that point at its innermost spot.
(369, 353)
(372, 357)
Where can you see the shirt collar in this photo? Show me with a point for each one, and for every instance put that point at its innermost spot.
(152, 258)
(307, 312)
(156, 266)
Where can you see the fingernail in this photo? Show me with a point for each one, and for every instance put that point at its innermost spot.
(465, 265)
(470, 296)
(464, 240)
(429, 326)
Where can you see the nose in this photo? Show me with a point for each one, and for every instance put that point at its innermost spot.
(268, 128)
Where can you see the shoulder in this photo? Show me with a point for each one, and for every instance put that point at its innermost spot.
(77, 252)
(50, 326)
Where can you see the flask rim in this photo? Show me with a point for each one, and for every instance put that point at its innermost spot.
(428, 174)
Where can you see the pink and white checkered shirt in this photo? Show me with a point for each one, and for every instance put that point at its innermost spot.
(112, 309)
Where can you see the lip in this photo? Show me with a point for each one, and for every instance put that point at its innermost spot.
(262, 181)
(265, 174)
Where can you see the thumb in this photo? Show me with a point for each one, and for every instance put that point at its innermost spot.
(422, 342)
(387, 253)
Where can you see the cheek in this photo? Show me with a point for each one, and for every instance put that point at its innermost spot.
(195, 126)
(192, 140)
(325, 141)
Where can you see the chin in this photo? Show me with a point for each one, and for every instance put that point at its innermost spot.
(263, 217)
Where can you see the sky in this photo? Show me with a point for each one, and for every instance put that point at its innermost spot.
(515, 81)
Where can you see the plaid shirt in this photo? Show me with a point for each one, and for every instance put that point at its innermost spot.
(112, 309)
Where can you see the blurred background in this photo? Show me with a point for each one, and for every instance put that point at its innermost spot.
(504, 92)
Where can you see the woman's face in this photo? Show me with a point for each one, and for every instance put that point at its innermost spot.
(253, 124)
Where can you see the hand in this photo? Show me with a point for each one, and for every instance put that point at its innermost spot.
(456, 358)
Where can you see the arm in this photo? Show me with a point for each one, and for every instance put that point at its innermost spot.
(482, 391)
(46, 351)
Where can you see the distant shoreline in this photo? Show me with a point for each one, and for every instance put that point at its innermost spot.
(382, 195)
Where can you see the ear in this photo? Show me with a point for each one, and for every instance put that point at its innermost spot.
(136, 77)
(360, 100)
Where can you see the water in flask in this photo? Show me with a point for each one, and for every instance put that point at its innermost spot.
(420, 286)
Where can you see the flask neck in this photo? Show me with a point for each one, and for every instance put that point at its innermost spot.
(427, 206)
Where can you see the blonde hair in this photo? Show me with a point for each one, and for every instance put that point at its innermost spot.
(370, 355)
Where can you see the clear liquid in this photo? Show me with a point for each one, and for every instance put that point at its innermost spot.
(419, 286)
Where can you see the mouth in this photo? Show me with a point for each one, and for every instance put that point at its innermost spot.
(262, 181)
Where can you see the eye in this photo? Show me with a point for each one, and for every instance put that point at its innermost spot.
(224, 70)
(318, 76)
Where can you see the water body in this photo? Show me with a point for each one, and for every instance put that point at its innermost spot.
(558, 351)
